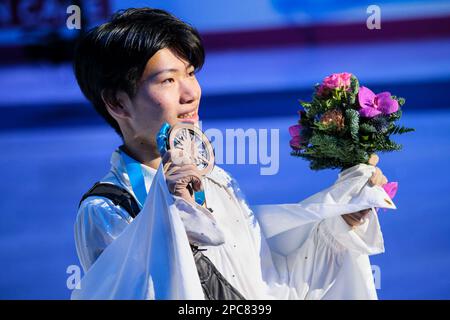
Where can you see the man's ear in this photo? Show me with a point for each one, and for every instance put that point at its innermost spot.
(118, 104)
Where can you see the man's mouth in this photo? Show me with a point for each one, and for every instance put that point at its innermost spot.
(190, 116)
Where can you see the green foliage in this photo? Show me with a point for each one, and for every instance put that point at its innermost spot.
(400, 130)
(332, 152)
(354, 85)
(380, 123)
(401, 101)
(352, 122)
(396, 115)
(366, 128)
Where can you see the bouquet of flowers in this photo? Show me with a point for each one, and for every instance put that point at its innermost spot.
(345, 123)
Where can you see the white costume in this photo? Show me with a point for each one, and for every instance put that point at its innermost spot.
(292, 251)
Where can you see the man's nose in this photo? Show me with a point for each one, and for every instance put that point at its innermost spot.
(188, 93)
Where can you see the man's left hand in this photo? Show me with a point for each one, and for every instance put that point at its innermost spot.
(355, 219)
(378, 178)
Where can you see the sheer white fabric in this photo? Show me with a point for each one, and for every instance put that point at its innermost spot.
(291, 251)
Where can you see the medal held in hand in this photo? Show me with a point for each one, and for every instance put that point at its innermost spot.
(193, 142)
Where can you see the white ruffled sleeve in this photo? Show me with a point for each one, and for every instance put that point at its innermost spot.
(364, 239)
(99, 222)
(200, 225)
(325, 268)
(325, 258)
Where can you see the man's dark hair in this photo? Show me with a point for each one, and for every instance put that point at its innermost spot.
(113, 56)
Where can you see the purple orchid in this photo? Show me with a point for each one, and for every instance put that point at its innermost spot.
(375, 104)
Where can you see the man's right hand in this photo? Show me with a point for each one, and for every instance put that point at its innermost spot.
(182, 176)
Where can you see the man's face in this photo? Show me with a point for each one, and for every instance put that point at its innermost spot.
(168, 92)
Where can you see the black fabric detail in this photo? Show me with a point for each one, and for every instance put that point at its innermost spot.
(214, 284)
(119, 196)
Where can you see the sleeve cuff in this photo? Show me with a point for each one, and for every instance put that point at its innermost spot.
(364, 239)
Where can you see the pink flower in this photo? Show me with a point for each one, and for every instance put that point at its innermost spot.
(337, 80)
(297, 140)
(391, 189)
(373, 105)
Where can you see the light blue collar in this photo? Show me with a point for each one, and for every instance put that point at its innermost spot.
(137, 172)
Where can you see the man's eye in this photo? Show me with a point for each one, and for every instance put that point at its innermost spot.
(192, 73)
(169, 80)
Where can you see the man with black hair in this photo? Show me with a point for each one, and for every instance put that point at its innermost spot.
(138, 70)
